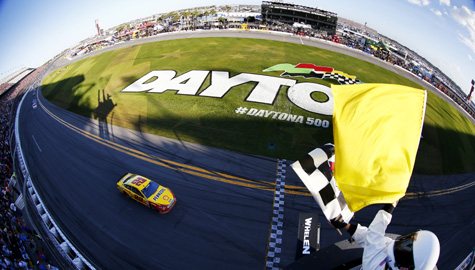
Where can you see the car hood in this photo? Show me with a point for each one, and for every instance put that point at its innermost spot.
(162, 196)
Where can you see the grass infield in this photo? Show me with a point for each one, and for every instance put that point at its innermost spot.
(91, 88)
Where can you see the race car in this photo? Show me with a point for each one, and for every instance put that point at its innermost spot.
(147, 192)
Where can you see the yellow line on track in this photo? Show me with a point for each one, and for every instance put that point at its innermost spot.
(222, 177)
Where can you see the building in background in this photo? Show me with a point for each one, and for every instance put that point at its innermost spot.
(318, 19)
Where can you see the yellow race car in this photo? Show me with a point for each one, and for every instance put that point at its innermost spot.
(147, 192)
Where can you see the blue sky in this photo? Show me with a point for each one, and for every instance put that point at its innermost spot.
(442, 31)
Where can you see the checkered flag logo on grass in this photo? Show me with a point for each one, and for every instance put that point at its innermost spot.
(314, 171)
(340, 78)
(311, 71)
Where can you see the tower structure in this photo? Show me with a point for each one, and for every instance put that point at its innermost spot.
(471, 90)
(98, 28)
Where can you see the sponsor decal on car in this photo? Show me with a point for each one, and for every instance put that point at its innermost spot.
(138, 181)
(159, 193)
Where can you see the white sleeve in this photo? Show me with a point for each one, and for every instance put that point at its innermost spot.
(373, 241)
(360, 235)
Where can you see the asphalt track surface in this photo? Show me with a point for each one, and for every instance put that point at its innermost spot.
(223, 216)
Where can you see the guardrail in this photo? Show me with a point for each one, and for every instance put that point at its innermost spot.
(30, 194)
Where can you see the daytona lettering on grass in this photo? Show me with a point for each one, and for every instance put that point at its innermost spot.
(283, 116)
(265, 88)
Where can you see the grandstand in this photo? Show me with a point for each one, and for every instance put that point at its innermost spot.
(7, 82)
(280, 12)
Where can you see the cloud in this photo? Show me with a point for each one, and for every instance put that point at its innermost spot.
(436, 12)
(420, 2)
(466, 17)
(470, 57)
(467, 41)
(444, 2)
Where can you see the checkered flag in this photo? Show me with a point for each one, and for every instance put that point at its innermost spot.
(340, 78)
(314, 171)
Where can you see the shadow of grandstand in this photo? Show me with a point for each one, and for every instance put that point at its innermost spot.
(445, 151)
(66, 89)
(101, 112)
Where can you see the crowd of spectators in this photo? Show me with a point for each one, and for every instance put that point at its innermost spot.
(181, 22)
(382, 53)
(355, 42)
(5, 86)
(21, 247)
(354, 35)
(9, 92)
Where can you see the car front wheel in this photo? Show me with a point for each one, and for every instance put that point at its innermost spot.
(153, 207)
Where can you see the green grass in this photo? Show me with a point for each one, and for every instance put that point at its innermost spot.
(91, 87)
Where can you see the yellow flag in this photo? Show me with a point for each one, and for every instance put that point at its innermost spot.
(377, 129)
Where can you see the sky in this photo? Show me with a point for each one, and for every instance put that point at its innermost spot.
(442, 31)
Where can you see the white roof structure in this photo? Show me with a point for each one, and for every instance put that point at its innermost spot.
(16, 76)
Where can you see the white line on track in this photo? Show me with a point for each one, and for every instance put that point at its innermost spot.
(301, 41)
(193, 35)
(36, 143)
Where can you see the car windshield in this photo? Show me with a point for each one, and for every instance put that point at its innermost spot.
(150, 189)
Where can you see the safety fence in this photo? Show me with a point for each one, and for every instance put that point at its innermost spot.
(51, 233)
